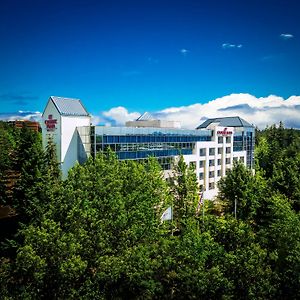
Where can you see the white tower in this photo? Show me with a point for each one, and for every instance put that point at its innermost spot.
(60, 120)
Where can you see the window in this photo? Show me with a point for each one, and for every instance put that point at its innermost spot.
(211, 174)
(201, 163)
(201, 187)
(219, 173)
(228, 139)
(211, 185)
(228, 149)
(211, 162)
(228, 161)
(235, 159)
(211, 151)
(219, 162)
(202, 152)
(220, 140)
(242, 159)
(201, 176)
(220, 150)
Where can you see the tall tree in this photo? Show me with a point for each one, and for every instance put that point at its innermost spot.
(185, 191)
(242, 190)
(30, 164)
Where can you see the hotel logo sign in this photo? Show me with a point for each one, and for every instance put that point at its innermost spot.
(50, 123)
(224, 132)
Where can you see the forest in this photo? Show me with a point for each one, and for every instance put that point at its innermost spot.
(99, 233)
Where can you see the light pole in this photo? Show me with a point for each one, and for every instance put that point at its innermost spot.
(235, 205)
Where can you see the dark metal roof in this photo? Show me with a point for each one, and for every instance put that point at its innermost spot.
(69, 106)
(226, 122)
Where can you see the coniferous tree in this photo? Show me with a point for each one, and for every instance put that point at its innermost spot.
(30, 165)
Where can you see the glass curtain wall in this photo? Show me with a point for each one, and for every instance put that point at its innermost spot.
(141, 143)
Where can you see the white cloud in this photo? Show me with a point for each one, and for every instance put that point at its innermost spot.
(184, 52)
(261, 111)
(286, 36)
(231, 46)
(119, 115)
(21, 115)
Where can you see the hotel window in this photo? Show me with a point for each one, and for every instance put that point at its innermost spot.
(211, 174)
(211, 151)
(235, 159)
(219, 173)
(228, 149)
(201, 176)
(211, 185)
(202, 152)
(228, 161)
(219, 162)
(211, 162)
(220, 150)
(220, 140)
(201, 163)
(228, 139)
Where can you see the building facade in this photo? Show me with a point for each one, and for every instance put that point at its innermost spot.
(212, 148)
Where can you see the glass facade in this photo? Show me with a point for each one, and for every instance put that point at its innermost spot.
(141, 143)
(244, 140)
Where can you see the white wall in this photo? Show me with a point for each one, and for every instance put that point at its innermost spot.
(64, 135)
(56, 133)
(195, 157)
(69, 140)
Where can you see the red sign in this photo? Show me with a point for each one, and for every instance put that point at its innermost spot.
(224, 132)
(50, 123)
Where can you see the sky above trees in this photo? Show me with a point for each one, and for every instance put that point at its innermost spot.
(160, 56)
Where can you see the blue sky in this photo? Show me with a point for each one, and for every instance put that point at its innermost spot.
(146, 55)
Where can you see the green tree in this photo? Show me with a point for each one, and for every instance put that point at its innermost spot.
(241, 188)
(99, 236)
(185, 192)
(30, 165)
(280, 234)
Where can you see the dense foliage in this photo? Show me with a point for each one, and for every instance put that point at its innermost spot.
(99, 234)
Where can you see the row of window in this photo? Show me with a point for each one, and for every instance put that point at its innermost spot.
(211, 174)
(111, 139)
(143, 146)
(221, 139)
(211, 186)
(211, 162)
(211, 151)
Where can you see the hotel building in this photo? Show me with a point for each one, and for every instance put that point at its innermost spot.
(212, 147)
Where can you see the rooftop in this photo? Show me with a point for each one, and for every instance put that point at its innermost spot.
(226, 122)
(69, 106)
(145, 117)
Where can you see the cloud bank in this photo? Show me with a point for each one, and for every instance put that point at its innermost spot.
(21, 115)
(260, 112)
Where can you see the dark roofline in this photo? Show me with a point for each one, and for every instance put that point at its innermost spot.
(212, 120)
